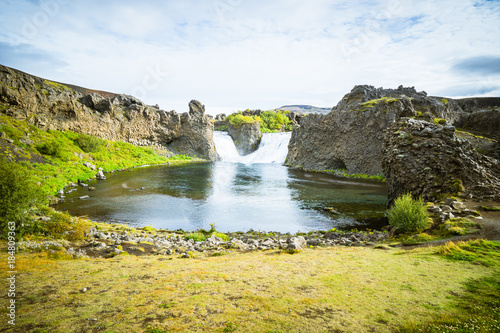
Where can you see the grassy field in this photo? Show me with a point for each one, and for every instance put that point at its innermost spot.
(338, 289)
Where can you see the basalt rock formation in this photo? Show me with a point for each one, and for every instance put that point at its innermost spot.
(246, 137)
(54, 106)
(351, 136)
(431, 162)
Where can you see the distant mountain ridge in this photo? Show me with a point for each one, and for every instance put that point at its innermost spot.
(305, 109)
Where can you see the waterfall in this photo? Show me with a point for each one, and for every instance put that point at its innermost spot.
(273, 148)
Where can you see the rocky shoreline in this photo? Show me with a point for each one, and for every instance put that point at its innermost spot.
(100, 244)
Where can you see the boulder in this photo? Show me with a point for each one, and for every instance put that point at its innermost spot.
(97, 102)
(429, 161)
(100, 176)
(297, 243)
(246, 137)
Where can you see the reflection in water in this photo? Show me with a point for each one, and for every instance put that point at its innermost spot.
(234, 196)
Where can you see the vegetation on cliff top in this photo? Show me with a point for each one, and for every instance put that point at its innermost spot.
(270, 121)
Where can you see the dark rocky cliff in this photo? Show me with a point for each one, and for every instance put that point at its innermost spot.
(351, 135)
(51, 106)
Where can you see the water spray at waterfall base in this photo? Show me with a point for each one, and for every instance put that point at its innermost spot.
(273, 149)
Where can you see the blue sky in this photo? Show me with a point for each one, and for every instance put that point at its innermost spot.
(238, 54)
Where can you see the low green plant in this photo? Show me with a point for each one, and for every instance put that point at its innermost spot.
(61, 225)
(408, 214)
(88, 143)
(51, 148)
(238, 119)
(196, 236)
(19, 197)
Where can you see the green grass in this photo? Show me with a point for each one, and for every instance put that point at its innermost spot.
(61, 151)
(322, 290)
(491, 208)
(343, 173)
(483, 252)
(477, 307)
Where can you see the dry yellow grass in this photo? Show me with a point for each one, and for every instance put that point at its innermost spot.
(320, 290)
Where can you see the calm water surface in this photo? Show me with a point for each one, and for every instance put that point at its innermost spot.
(234, 196)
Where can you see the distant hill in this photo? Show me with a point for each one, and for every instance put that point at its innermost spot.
(305, 109)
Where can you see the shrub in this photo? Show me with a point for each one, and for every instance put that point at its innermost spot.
(237, 119)
(196, 236)
(62, 225)
(272, 121)
(408, 215)
(88, 143)
(19, 195)
(51, 148)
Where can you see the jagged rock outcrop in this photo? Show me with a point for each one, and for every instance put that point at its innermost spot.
(351, 136)
(51, 106)
(246, 137)
(431, 162)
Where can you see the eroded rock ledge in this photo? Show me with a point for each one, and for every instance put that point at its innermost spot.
(54, 106)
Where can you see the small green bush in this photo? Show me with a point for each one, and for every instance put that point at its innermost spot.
(62, 225)
(272, 121)
(408, 215)
(19, 196)
(88, 143)
(196, 236)
(237, 119)
(51, 148)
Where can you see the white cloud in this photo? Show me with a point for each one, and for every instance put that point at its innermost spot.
(255, 54)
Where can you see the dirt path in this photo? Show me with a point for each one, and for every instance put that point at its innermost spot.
(490, 221)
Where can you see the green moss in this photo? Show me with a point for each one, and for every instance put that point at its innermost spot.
(57, 86)
(380, 101)
(439, 121)
(491, 208)
(444, 101)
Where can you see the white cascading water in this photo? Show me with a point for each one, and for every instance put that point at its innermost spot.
(273, 148)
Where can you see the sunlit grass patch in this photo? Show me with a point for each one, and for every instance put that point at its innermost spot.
(321, 290)
(479, 251)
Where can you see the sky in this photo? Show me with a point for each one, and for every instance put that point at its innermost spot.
(258, 54)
